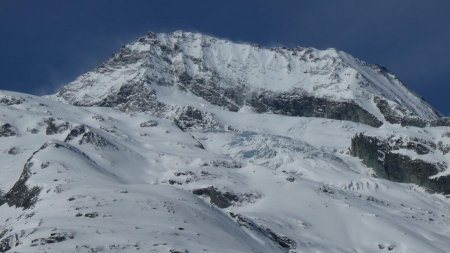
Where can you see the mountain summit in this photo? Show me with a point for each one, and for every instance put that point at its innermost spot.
(235, 76)
(182, 142)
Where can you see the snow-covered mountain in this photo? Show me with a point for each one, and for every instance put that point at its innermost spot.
(183, 142)
(234, 76)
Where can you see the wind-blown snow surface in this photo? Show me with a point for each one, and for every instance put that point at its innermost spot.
(128, 188)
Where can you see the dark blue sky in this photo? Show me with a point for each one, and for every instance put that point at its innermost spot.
(45, 44)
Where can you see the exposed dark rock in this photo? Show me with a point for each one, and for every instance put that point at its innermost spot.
(149, 123)
(98, 117)
(178, 251)
(2, 201)
(223, 163)
(326, 189)
(12, 240)
(417, 145)
(441, 122)
(13, 151)
(7, 130)
(33, 130)
(296, 104)
(53, 238)
(391, 116)
(97, 140)
(396, 114)
(377, 201)
(133, 97)
(172, 182)
(189, 117)
(91, 215)
(377, 154)
(45, 165)
(414, 121)
(419, 148)
(22, 195)
(444, 148)
(89, 137)
(5, 243)
(283, 242)
(209, 89)
(75, 132)
(53, 128)
(216, 197)
(124, 57)
(3, 232)
(9, 100)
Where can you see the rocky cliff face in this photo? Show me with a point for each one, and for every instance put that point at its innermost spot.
(384, 158)
(294, 104)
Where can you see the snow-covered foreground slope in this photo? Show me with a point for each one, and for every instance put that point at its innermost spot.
(113, 181)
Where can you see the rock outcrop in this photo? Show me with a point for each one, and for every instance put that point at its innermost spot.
(381, 156)
(293, 104)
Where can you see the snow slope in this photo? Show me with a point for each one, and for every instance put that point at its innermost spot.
(132, 189)
(136, 156)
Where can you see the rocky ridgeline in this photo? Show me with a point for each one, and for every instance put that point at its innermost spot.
(85, 135)
(395, 114)
(284, 242)
(22, 195)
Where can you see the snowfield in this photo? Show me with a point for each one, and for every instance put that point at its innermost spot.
(119, 162)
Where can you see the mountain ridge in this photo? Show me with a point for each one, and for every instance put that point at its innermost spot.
(162, 149)
(198, 64)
